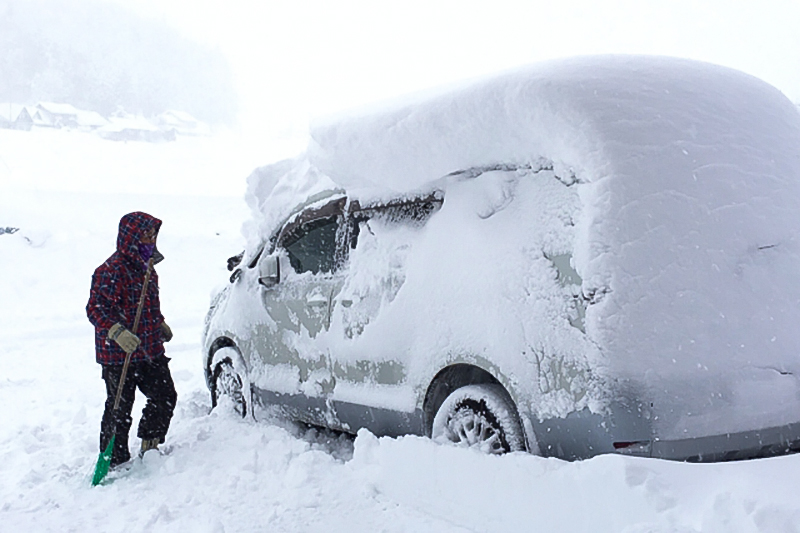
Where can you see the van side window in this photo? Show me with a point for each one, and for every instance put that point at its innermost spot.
(413, 212)
(312, 246)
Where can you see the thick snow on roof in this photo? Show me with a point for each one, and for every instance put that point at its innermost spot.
(90, 118)
(589, 111)
(58, 109)
(130, 122)
(688, 176)
(177, 118)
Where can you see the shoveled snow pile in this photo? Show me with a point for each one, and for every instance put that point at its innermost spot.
(685, 240)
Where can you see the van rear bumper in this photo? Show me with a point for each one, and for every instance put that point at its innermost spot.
(768, 442)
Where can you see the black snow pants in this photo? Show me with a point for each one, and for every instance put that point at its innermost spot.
(155, 381)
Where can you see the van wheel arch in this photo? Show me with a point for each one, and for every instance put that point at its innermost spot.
(450, 379)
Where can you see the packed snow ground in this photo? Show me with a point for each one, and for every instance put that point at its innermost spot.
(65, 192)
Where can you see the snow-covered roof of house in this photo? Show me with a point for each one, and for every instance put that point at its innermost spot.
(58, 109)
(129, 122)
(90, 119)
(177, 118)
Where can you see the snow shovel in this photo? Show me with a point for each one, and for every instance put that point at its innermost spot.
(104, 460)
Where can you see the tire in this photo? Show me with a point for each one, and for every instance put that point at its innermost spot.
(227, 382)
(481, 417)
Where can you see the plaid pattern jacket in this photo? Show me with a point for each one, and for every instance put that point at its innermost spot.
(116, 288)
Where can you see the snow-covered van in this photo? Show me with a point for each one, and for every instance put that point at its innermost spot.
(585, 256)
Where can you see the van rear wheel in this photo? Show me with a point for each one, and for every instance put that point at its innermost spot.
(481, 417)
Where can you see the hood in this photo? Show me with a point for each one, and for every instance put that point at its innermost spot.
(131, 228)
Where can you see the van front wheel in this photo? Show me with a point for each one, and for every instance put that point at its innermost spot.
(228, 382)
(482, 417)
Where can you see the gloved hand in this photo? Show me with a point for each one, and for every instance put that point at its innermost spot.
(166, 332)
(126, 340)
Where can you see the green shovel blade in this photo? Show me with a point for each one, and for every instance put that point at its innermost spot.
(103, 463)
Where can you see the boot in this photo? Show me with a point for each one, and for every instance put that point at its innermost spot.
(121, 467)
(149, 444)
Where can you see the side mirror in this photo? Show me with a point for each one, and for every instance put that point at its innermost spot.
(269, 271)
(234, 261)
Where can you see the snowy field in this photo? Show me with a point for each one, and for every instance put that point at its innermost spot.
(66, 192)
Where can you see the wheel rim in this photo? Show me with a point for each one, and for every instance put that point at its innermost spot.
(229, 383)
(471, 428)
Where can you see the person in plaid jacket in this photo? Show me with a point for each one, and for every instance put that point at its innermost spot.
(116, 288)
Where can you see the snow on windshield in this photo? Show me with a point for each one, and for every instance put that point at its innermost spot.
(685, 237)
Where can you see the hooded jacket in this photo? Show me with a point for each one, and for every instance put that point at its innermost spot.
(114, 297)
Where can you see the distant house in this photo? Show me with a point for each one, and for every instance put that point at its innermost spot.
(54, 115)
(133, 128)
(38, 118)
(90, 121)
(15, 116)
(24, 120)
(57, 115)
(182, 122)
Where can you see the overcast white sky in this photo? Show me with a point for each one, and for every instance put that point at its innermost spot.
(301, 58)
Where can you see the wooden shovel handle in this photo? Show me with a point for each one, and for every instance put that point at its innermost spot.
(135, 327)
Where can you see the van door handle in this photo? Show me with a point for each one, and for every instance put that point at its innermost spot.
(315, 302)
(347, 303)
